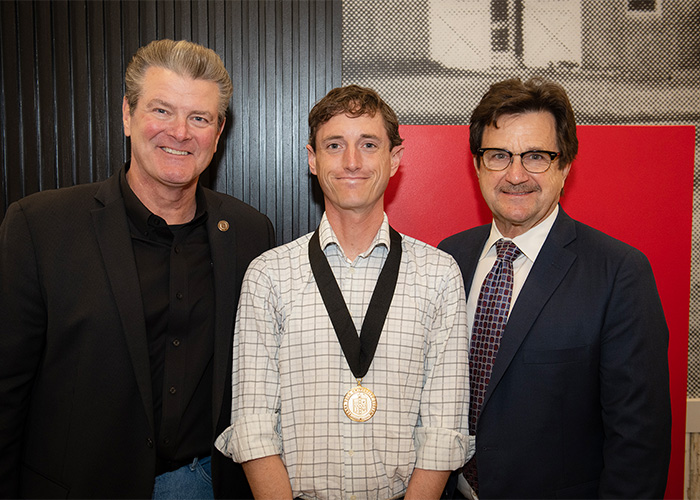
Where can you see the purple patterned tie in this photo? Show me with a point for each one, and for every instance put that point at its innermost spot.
(489, 321)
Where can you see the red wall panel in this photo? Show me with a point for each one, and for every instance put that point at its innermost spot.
(632, 182)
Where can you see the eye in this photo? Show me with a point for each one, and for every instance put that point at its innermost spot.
(498, 155)
(333, 145)
(535, 156)
(200, 120)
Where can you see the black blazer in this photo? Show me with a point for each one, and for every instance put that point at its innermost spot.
(76, 412)
(578, 404)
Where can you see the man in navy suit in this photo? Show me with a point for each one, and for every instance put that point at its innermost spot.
(577, 402)
(117, 305)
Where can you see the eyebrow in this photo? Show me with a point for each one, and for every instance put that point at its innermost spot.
(371, 136)
(525, 150)
(159, 102)
(342, 137)
(166, 104)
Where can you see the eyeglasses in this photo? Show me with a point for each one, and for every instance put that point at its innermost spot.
(534, 162)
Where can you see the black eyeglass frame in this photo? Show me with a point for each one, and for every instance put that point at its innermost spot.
(552, 156)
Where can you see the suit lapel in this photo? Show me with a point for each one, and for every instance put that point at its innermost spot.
(469, 255)
(552, 264)
(222, 242)
(112, 231)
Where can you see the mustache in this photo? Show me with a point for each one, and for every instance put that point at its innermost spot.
(520, 188)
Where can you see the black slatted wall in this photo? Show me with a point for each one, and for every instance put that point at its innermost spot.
(61, 85)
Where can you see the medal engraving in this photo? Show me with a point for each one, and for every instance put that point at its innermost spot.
(360, 404)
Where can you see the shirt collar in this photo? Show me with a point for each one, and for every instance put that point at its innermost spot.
(143, 219)
(327, 237)
(530, 242)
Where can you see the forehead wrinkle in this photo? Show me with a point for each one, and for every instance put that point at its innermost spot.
(160, 102)
(537, 146)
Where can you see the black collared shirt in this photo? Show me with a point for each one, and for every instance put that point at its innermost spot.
(177, 288)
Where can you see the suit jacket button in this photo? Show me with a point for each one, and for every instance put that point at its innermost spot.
(149, 442)
(223, 226)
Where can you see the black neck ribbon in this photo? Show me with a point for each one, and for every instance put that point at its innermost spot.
(359, 352)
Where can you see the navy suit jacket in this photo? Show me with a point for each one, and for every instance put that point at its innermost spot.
(76, 408)
(578, 403)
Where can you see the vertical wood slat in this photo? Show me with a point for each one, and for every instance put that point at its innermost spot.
(130, 16)
(45, 99)
(11, 181)
(301, 102)
(114, 62)
(61, 82)
(98, 119)
(251, 116)
(288, 146)
(148, 21)
(25, 118)
(65, 135)
(80, 88)
(273, 70)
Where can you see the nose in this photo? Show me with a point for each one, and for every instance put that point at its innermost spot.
(516, 173)
(352, 159)
(180, 129)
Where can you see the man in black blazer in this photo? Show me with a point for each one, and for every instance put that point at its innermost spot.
(576, 404)
(117, 305)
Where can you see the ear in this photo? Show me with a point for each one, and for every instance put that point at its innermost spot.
(565, 172)
(396, 155)
(126, 117)
(475, 159)
(312, 159)
(218, 135)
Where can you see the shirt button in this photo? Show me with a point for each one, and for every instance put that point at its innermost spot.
(173, 390)
(176, 342)
(353, 497)
(351, 452)
(179, 295)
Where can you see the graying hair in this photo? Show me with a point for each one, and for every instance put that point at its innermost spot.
(184, 58)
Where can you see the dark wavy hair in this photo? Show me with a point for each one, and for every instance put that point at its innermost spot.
(515, 97)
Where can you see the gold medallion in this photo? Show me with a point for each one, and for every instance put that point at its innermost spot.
(360, 404)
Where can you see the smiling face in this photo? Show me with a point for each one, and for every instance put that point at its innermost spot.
(518, 199)
(173, 130)
(354, 161)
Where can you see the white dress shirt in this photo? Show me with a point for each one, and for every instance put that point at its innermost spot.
(530, 243)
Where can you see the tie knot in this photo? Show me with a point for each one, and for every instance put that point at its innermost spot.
(507, 250)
